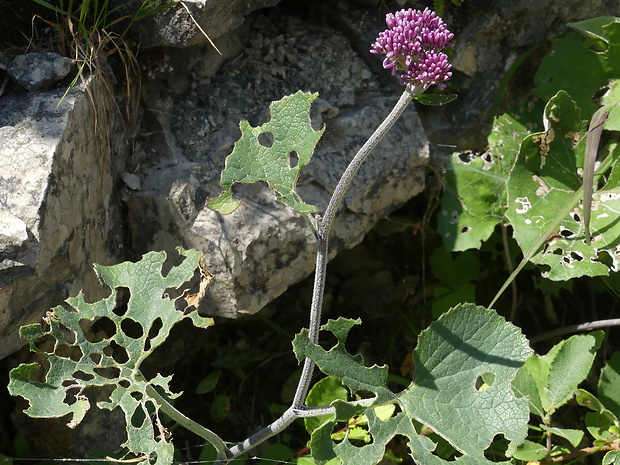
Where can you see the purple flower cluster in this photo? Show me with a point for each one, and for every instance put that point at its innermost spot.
(412, 44)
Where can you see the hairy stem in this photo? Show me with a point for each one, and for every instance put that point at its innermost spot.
(576, 328)
(168, 408)
(297, 409)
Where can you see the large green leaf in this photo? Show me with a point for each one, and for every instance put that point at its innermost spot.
(545, 177)
(576, 70)
(277, 161)
(473, 203)
(465, 363)
(78, 360)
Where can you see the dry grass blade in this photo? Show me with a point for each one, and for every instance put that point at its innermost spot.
(200, 28)
(592, 142)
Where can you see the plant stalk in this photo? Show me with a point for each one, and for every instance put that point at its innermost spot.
(298, 409)
(172, 412)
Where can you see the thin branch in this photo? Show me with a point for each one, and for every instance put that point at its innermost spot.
(576, 328)
(510, 267)
(580, 453)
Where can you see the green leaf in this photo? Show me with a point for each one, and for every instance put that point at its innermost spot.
(570, 366)
(465, 364)
(612, 457)
(599, 426)
(551, 380)
(209, 382)
(474, 201)
(575, 69)
(609, 384)
(611, 98)
(544, 179)
(585, 399)
(530, 451)
(276, 453)
(574, 436)
(277, 161)
(455, 273)
(525, 385)
(324, 392)
(220, 408)
(612, 55)
(78, 361)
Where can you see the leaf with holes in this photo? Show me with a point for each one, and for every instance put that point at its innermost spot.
(473, 203)
(544, 179)
(78, 360)
(465, 363)
(274, 152)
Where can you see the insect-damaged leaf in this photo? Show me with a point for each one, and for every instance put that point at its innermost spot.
(473, 203)
(544, 179)
(79, 361)
(465, 363)
(274, 152)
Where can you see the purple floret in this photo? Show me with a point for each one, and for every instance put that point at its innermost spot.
(412, 44)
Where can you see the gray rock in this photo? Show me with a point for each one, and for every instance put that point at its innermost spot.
(194, 22)
(38, 71)
(132, 181)
(13, 232)
(59, 213)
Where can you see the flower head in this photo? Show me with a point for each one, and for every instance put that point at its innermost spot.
(412, 44)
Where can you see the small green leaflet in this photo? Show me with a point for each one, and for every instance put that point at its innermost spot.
(609, 384)
(78, 361)
(551, 380)
(278, 163)
(465, 363)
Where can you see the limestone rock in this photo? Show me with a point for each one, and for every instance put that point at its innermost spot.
(38, 71)
(58, 213)
(190, 23)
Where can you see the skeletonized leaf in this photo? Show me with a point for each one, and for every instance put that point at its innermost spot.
(79, 361)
